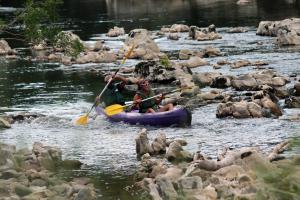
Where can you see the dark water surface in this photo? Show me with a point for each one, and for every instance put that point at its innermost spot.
(62, 93)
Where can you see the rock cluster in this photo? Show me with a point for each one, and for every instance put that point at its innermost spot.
(26, 174)
(287, 31)
(234, 175)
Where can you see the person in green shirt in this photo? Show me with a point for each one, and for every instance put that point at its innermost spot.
(151, 105)
(114, 94)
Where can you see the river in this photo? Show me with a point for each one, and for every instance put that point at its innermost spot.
(63, 93)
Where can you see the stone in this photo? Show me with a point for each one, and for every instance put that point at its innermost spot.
(210, 51)
(4, 47)
(194, 182)
(115, 32)
(240, 63)
(173, 36)
(71, 164)
(39, 182)
(176, 153)
(22, 191)
(11, 173)
(4, 123)
(144, 47)
(84, 194)
(237, 30)
(194, 62)
(166, 187)
(239, 110)
(179, 28)
(205, 78)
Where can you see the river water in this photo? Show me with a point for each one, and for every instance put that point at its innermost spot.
(63, 93)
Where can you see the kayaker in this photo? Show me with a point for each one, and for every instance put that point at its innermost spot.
(114, 94)
(151, 105)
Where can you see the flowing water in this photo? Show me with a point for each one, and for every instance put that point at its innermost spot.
(62, 93)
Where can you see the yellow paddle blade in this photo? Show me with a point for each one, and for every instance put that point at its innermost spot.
(83, 120)
(114, 109)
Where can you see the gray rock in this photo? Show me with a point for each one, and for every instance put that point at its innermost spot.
(194, 182)
(84, 194)
(4, 123)
(22, 190)
(39, 182)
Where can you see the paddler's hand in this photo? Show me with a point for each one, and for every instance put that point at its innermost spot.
(137, 101)
(97, 99)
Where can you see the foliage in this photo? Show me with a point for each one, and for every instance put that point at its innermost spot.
(39, 20)
(165, 61)
(71, 46)
(281, 182)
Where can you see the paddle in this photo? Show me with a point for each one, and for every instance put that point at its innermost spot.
(83, 120)
(117, 108)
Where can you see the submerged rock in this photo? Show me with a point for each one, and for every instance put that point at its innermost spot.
(4, 123)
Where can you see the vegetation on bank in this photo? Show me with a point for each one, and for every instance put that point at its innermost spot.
(39, 26)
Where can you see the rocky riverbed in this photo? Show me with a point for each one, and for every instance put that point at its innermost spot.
(232, 73)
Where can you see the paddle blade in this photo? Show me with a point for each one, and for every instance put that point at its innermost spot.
(83, 120)
(114, 109)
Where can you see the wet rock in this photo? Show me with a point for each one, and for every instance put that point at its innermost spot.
(179, 28)
(292, 102)
(210, 51)
(4, 47)
(211, 95)
(271, 28)
(240, 63)
(166, 187)
(71, 164)
(159, 144)
(254, 109)
(240, 110)
(173, 36)
(185, 54)
(64, 36)
(40, 47)
(205, 78)
(194, 62)
(176, 153)
(237, 30)
(244, 82)
(142, 143)
(144, 47)
(115, 32)
(223, 62)
(201, 35)
(4, 123)
(296, 91)
(281, 92)
(221, 82)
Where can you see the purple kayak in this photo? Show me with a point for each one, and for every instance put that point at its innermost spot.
(177, 117)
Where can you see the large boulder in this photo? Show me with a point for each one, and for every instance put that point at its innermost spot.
(144, 47)
(194, 62)
(176, 153)
(271, 28)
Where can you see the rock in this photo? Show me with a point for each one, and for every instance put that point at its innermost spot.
(237, 30)
(176, 153)
(64, 36)
(22, 191)
(211, 95)
(142, 143)
(11, 173)
(244, 82)
(201, 35)
(173, 36)
(292, 102)
(210, 51)
(115, 32)
(230, 172)
(194, 62)
(145, 47)
(221, 82)
(39, 183)
(166, 187)
(273, 107)
(243, 2)
(84, 194)
(223, 62)
(287, 38)
(240, 110)
(254, 109)
(71, 164)
(205, 78)
(271, 28)
(185, 54)
(296, 91)
(159, 144)
(4, 123)
(240, 63)
(190, 183)
(4, 47)
(179, 28)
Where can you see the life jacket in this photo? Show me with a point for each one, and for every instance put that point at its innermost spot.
(113, 95)
(145, 105)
